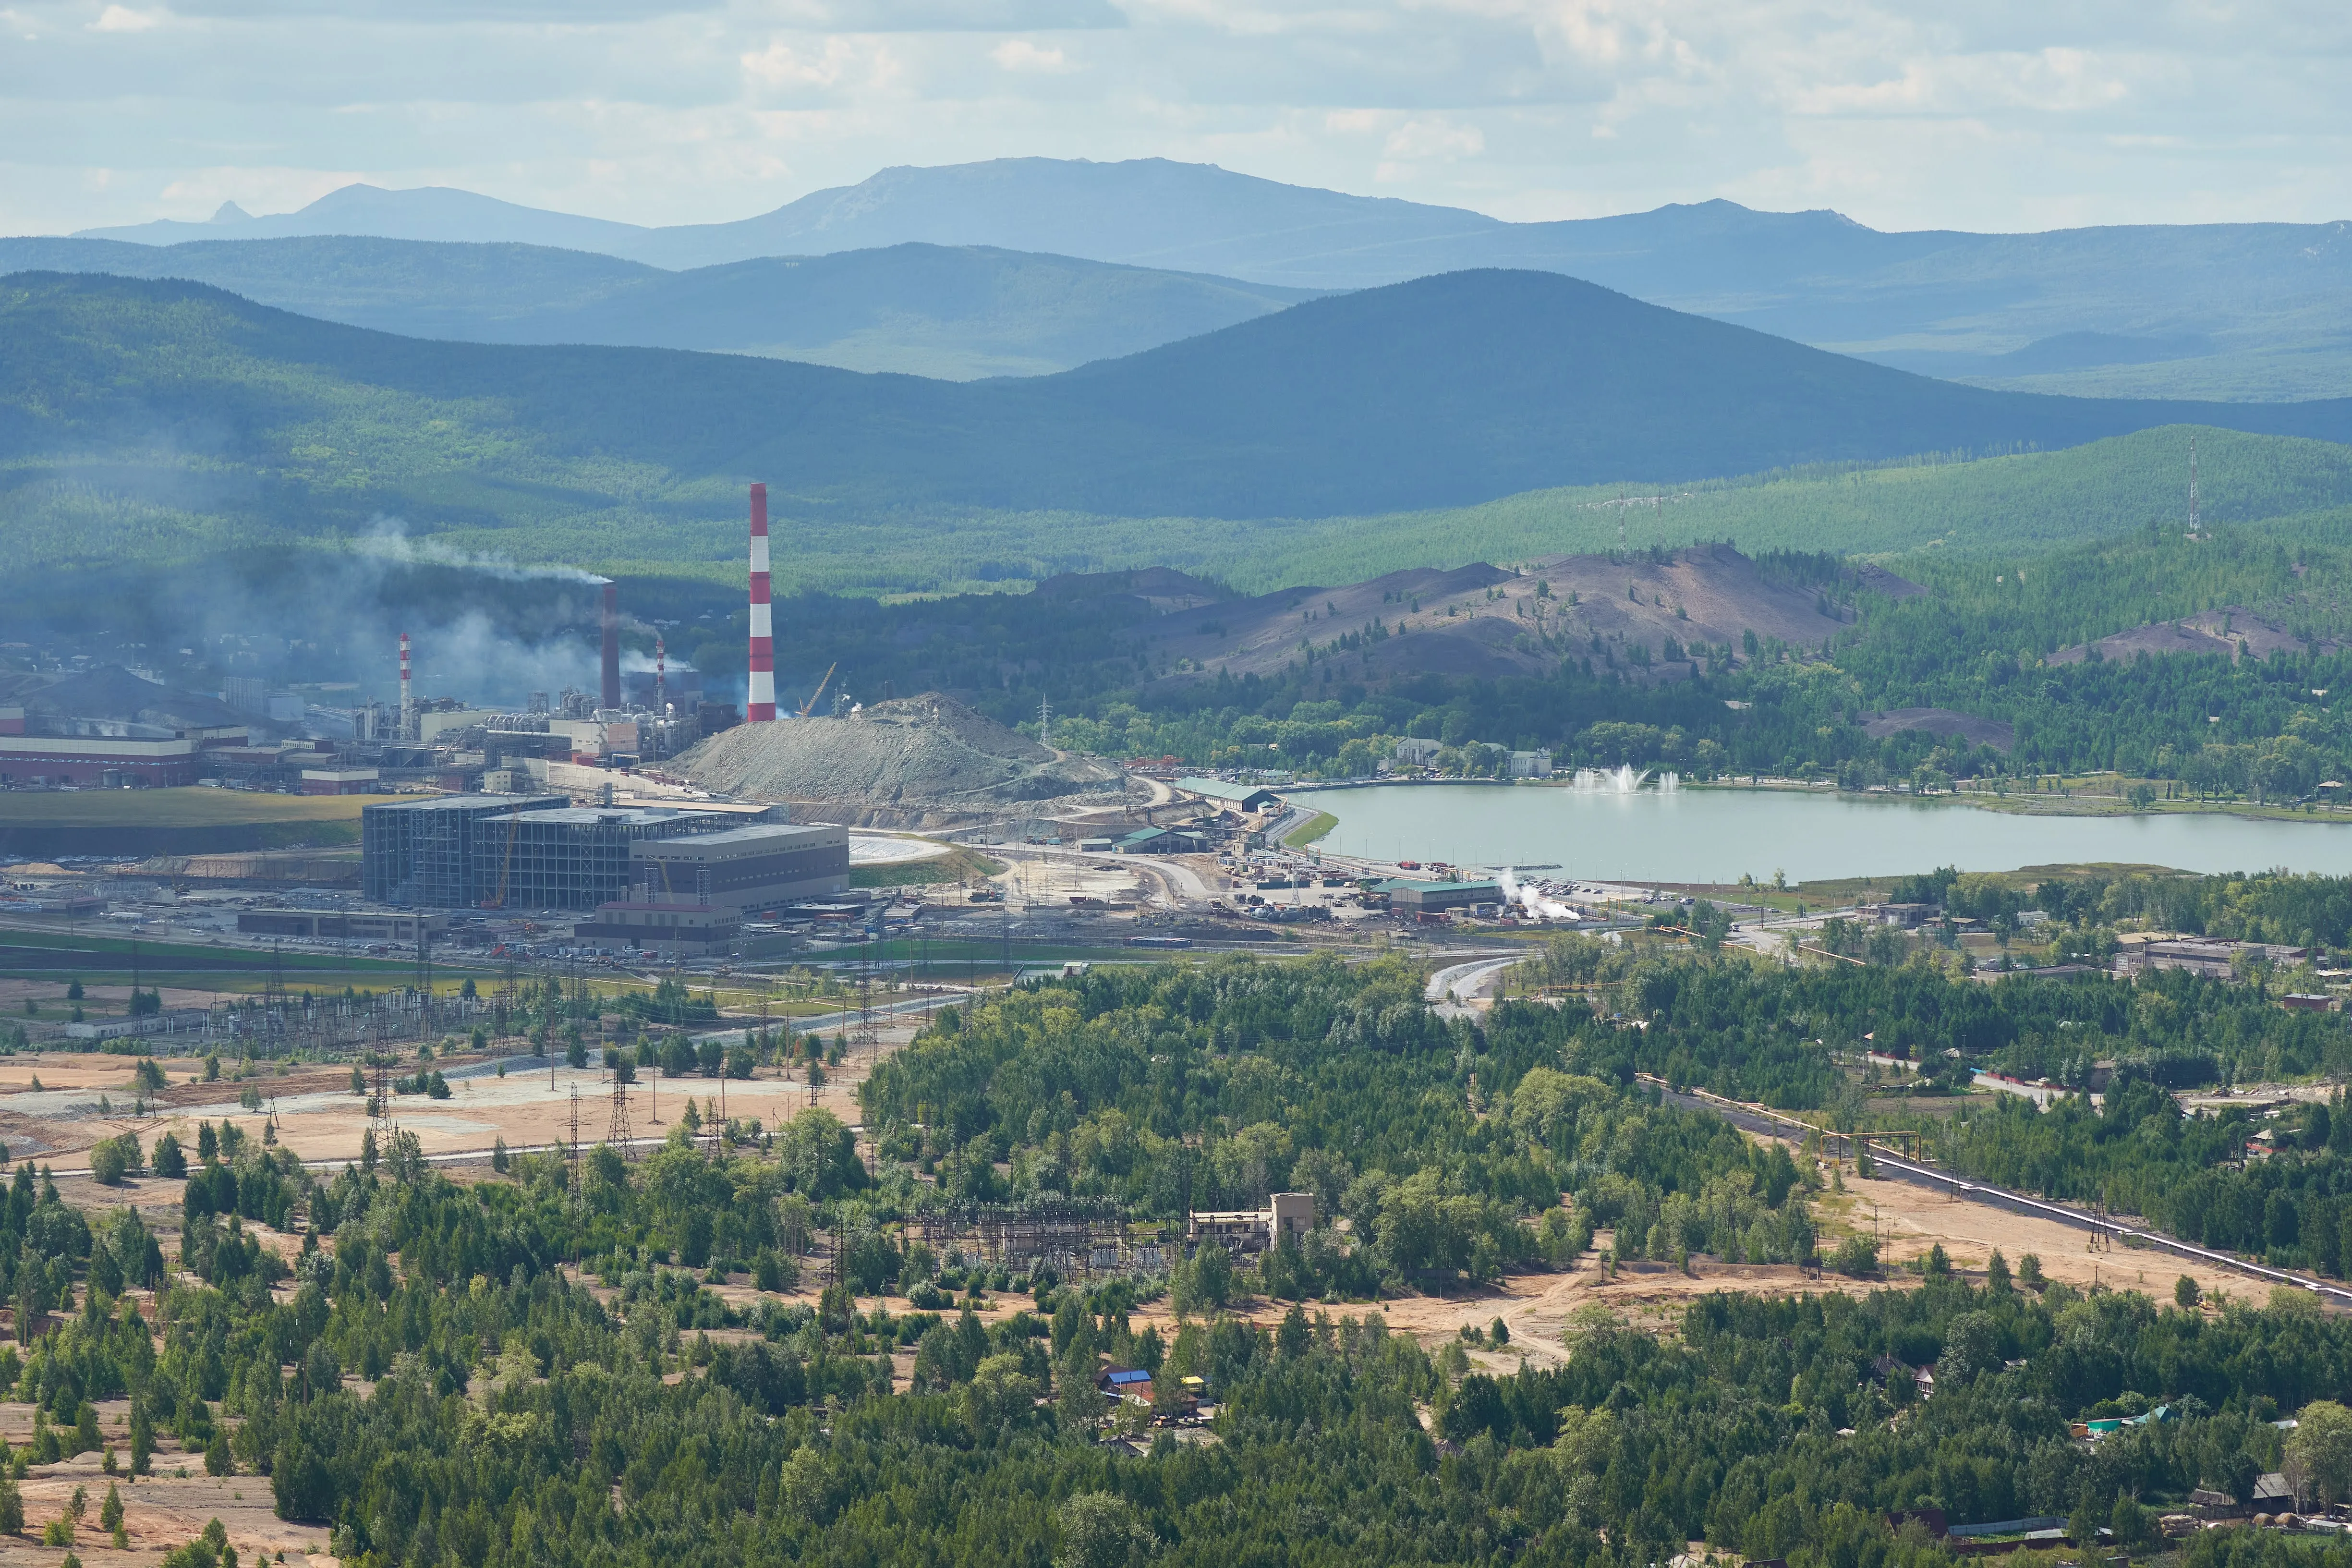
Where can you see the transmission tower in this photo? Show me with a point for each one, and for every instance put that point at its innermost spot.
(619, 1136)
(380, 1106)
(865, 1036)
(571, 1148)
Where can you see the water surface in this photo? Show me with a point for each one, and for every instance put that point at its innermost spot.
(1715, 835)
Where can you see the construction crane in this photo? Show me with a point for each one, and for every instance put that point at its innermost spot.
(505, 866)
(821, 685)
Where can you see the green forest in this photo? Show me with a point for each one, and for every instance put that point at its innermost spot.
(534, 1367)
(1978, 642)
(146, 420)
(1763, 1032)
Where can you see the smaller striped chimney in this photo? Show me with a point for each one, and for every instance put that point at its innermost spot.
(760, 699)
(407, 702)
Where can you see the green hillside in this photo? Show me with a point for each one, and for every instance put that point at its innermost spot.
(2025, 501)
(953, 312)
(160, 419)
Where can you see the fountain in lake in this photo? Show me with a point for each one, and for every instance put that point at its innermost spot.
(1623, 780)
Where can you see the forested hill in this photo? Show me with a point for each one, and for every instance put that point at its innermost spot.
(1441, 391)
(954, 313)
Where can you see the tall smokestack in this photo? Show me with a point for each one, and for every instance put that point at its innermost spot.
(612, 646)
(661, 676)
(759, 704)
(407, 702)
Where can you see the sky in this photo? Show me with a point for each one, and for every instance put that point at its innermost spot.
(1994, 115)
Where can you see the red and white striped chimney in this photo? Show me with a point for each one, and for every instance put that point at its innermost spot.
(407, 704)
(661, 676)
(760, 701)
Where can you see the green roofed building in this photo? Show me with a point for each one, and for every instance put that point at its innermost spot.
(1241, 797)
(1163, 841)
(1405, 893)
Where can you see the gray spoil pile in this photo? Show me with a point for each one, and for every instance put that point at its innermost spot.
(925, 751)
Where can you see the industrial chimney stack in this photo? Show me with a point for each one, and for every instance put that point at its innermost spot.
(407, 702)
(760, 701)
(612, 646)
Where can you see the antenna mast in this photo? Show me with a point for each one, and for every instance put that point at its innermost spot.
(2192, 484)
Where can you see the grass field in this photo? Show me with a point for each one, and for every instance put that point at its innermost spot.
(172, 807)
(1312, 829)
(140, 822)
(957, 866)
(98, 957)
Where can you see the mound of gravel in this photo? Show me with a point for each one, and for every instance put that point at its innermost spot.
(925, 751)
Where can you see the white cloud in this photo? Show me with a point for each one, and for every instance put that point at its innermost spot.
(1021, 55)
(1904, 113)
(123, 19)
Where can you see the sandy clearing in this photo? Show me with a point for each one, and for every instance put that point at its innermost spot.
(159, 1513)
(320, 1119)
(1913, 1218)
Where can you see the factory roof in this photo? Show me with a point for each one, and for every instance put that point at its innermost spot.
(1411, 885)
(590, 815)
(751, 834)
(521, 805)
(1218, 789)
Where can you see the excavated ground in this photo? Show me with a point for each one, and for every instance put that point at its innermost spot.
(913, 762)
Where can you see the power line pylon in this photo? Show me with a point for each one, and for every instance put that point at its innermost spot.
(571, 1148)
(379, 1104)
(865, 1037)
(619, 1136)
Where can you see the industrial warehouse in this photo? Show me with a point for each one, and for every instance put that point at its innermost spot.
(476, 851)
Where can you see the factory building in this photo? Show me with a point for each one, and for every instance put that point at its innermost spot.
(160, 760)
(683, 930)
(542, 853)
(1405, 893)
(341, 781)
(430, 851)
(576, 858)
(1245, 798)
(753, 867)
(340, 925)
(689, 893)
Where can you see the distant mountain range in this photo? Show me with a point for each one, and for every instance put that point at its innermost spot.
(953, 313)
(1439, 392)
(2257, 311)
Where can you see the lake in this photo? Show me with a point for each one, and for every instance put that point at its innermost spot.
(1715, 835)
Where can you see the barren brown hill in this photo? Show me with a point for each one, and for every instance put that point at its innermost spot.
(1657, 614)
(2232, 631)
(1941, 721)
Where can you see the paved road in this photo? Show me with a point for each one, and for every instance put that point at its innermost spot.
(1750, 1119)
(1177, 883)
(1457, 983)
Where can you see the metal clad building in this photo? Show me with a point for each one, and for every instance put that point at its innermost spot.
(542, 853)
(743, 868)
(576, 858)
(427, 851)
(1406, 893)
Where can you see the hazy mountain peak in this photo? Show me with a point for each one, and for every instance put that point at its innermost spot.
(229, 211)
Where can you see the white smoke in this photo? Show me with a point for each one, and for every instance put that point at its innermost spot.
(1532, 897)
(387, 539)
